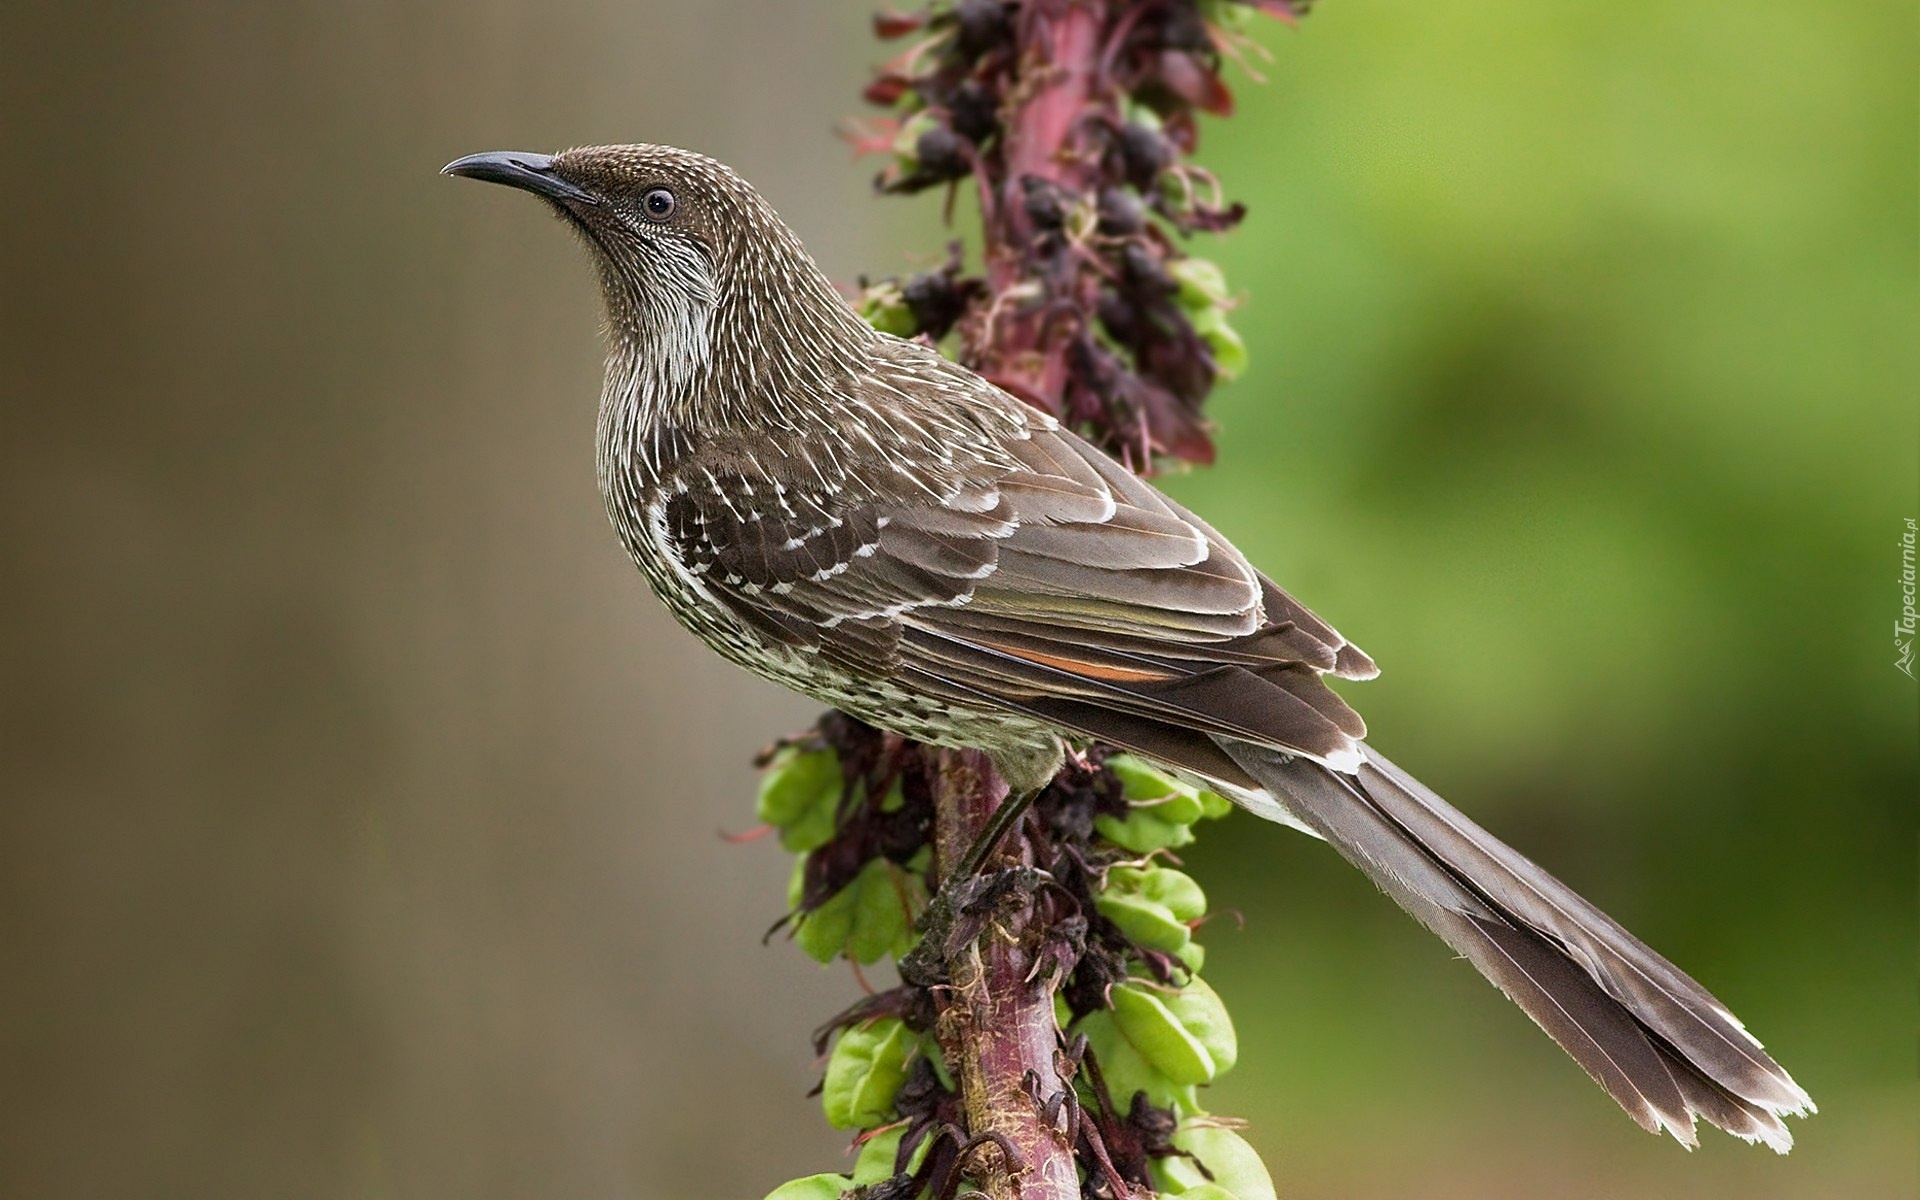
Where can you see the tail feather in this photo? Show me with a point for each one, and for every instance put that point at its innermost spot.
(1658, 1042)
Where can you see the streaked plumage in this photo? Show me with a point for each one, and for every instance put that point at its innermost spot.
(856, 517)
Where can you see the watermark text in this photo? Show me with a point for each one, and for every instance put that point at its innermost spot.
(1903, 628)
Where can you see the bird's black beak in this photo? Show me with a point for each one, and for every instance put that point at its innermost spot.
(521, 169)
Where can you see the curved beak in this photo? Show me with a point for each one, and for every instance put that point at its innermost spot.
(520, 169)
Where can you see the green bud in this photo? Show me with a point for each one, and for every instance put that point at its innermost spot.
(1213, 805)
(884, 307)
(1201, 1012)
(1174, 890)
(876, 1157)
(1180, 807)
(812, 1187)
(800, 794)
(1238, 1173)
(864, 1074)
(1152, 1029)
(1141, 114)
(906, 142)
(1145, 922)
(865, 920)
(1202, 284)
(1161, 808)
(1223, 342)
(879, 916)
(822, 933)
(1143, 785)
(1143, 831)
(1194, 957)
(1153, 906)
(1186, 1034)
(1127, 1071)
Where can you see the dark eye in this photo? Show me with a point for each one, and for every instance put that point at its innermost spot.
(659, 203)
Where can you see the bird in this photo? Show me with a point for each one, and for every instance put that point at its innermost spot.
(857, 517)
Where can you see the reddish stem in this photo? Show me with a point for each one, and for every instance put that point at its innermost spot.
(1059, 49)
(996, 1024)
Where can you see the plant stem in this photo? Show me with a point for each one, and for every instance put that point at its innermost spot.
(996, 1024)
(1058, 47)
(997, 1027)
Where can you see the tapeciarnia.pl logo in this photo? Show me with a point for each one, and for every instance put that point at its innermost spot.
(1903, 628)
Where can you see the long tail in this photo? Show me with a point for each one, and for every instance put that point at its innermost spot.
(1658, 1042)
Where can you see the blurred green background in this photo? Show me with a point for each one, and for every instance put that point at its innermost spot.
(360, 831)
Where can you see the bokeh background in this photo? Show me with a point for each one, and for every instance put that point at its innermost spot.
(360, 833)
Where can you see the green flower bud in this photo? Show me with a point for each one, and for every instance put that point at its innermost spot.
(799, 794)
(864, 1074)
(812, 1187)
(1202, 285)
(1137, 113)
(1223, 342)
(1162, 808)
(1143, 831)
(906, 142)
(1153, 906)
(1174, 890)
(865, 920)
(1145, 922)
(1152, 1029)
(1185, 1034)
(879, 916)
(1194, 957)
(1127, 1071)
(884, 307)
(1200, 1010)
(876, 1157)
(1146, 787)
(822, 933)
(797, 882)
(1238, 1173)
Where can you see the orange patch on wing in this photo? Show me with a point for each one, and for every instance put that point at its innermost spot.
(1075, 666)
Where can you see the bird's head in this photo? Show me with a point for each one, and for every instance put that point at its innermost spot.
(704, 283)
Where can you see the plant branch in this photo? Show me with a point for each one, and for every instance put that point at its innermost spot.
(996, 1021)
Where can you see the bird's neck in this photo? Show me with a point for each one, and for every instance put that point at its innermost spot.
(753, 345)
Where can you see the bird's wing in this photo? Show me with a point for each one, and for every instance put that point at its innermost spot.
(1011, 565)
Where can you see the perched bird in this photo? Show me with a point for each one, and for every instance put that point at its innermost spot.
(854, 516)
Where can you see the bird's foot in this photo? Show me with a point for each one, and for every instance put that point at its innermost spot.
(960, 912)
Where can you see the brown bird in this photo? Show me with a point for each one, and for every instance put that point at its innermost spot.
(852, 515)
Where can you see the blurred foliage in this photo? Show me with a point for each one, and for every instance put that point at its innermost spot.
(1583, 399)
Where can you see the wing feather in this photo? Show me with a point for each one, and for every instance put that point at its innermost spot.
(1022, 565)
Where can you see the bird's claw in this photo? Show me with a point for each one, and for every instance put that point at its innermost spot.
(959, 913)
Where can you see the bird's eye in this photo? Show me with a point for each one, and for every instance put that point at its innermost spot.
(659, 204)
